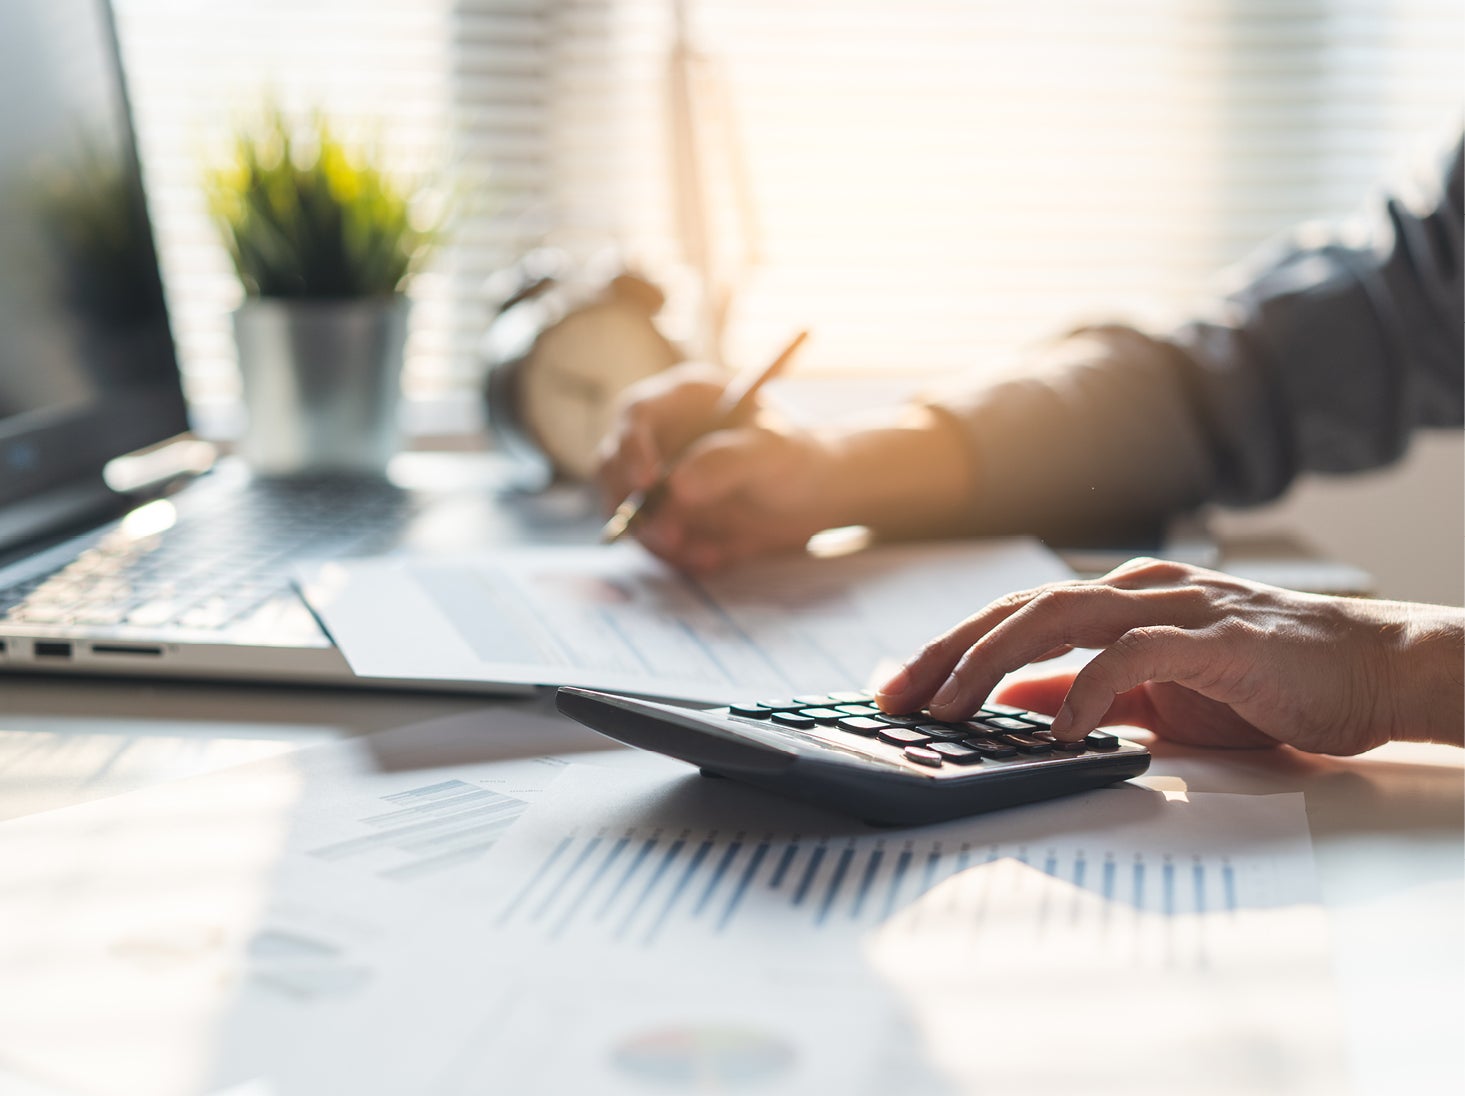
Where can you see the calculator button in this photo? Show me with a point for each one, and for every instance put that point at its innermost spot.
(996, 751)
(914, 719)
(781, 705)
(1066, 747)
(1003, 709)
(1037, 719)
(1006, 723)
(858, 697)
(816, 700)
(922, 756)
(1024, 742)
(861, 725)
(1101, 740)
(902, 736)
(793, 719)
(958, 753)
(823, 715)
(750, 711)
(859, 709)
(947, 732)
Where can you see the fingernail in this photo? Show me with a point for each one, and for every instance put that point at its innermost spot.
(947, 693)
(1063, 720)
(899, 682)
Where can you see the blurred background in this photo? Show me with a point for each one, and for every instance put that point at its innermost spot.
(926, 185)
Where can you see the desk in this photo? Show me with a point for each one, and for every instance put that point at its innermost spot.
(1387, 826)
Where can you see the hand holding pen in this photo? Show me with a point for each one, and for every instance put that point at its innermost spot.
(735, 406)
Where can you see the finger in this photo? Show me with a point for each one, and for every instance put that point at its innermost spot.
(1153, 654)
(1091, 615)
(924, 672)
(1056, 652)
(629, 463)
(1046, 692)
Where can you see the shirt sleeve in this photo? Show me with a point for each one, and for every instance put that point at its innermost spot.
(1336, 348)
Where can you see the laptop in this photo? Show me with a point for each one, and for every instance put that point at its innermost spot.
(97, 576)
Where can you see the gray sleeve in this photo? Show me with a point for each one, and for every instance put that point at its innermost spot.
(1333, 352)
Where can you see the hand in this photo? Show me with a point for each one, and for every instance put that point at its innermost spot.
(1204, 659)
(733, 493)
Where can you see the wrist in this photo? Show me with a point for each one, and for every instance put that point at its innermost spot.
(905, 473)
(1428, 676)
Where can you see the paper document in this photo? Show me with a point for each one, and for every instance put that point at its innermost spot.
(263, 920)
(648, 863)
(1171, 942)
(615, 618)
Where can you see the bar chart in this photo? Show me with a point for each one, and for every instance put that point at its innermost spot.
(638, 885)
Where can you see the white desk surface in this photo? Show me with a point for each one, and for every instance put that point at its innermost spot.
(1387, 826)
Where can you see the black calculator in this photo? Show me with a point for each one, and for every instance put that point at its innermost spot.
(840, 751)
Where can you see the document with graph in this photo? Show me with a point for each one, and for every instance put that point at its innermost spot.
(646, 863)
(1018, 948)
(615, 618)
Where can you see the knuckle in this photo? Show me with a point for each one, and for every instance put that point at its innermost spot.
(1150, 569)
(934, 649)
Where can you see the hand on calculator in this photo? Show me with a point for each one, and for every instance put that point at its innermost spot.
(1204, 659)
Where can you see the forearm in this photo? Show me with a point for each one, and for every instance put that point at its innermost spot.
(1097, 439)
(903, 473)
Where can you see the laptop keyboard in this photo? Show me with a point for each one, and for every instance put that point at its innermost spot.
(224, 557)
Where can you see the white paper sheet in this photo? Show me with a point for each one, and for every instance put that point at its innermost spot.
(1122, 940)
(647, 862)
(617, 619)
(263, 921)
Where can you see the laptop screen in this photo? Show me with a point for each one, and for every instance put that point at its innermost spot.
(87, 368)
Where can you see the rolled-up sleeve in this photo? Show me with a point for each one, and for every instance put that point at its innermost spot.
(1334, 351)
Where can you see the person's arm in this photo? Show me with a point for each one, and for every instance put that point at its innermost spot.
(768, 486)
(1333, 351)
(1327, 360)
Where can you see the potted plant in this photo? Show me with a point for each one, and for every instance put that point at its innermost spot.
(323, 242)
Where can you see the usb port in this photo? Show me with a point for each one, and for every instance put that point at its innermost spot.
(53, 648)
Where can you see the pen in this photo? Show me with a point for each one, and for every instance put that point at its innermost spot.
(736, 401)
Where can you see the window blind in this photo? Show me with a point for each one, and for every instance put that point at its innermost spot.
(932, 183)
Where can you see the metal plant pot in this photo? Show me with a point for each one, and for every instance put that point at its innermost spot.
(322, 382)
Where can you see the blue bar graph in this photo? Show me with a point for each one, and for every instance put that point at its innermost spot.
(637, 886)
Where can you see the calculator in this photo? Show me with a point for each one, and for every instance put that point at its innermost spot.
(840, 751)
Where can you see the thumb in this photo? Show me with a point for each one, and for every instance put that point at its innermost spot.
(1046, 692)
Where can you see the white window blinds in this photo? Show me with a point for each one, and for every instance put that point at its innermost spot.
(931, 183)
